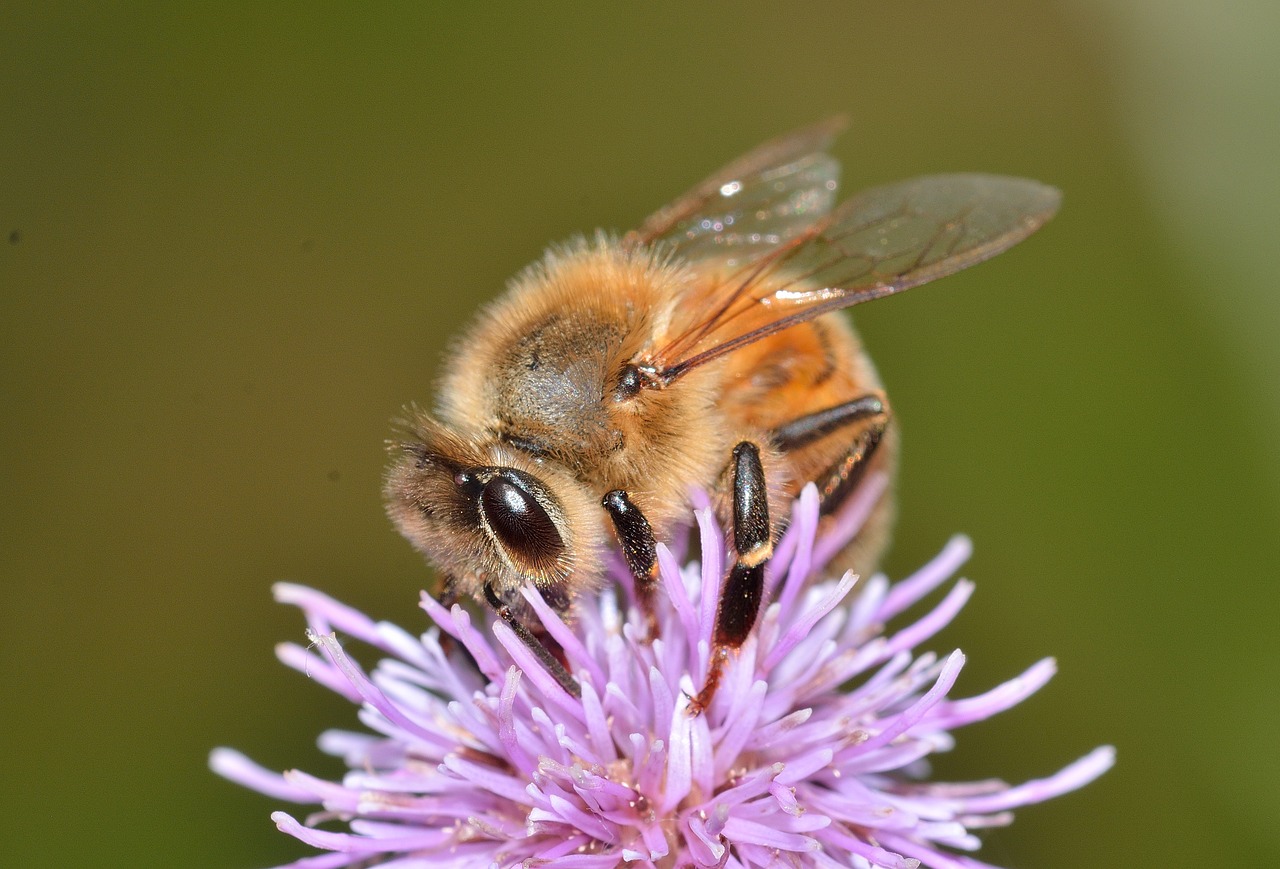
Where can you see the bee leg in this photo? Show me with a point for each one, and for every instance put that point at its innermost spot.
(545, 656)
(638, 547)
(448, 597)
(448, 592)
(808, 428)
(741, 593)
(842, 477)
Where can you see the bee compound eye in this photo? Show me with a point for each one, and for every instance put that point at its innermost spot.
(521, 524)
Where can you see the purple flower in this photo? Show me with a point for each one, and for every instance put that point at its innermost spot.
(813, 753)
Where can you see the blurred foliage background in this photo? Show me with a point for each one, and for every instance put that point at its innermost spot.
(234, 241)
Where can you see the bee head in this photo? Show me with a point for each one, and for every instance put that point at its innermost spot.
(485, 513)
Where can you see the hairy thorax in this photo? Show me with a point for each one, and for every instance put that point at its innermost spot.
(556, 349)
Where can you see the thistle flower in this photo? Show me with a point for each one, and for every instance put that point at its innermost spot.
(813, 752)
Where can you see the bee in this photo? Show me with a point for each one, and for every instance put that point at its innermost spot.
(703, 349)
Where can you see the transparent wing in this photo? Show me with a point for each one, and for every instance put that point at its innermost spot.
(758, 202)
(879, 242)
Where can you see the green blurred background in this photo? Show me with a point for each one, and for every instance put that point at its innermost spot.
(233, 244)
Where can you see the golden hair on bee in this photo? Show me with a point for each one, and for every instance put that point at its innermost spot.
(543, 368)
(703, 350)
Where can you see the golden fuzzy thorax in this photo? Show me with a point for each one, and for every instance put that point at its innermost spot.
(542, 364)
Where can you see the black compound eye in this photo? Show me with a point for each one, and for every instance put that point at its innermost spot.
(521, 524)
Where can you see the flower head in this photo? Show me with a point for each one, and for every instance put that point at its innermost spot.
(813, 753)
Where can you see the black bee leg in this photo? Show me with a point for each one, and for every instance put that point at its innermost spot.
(448, 592)
(842, 478)
(839, 480)
(448, 597)
(740, 595)
(553, 664)
(638, 547)
(808, 428)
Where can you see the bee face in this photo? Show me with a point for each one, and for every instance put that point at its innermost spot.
(485, 514)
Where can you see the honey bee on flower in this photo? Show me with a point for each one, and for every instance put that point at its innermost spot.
(703, 349)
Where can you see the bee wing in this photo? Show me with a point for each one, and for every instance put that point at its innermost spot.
(879, 242)
(755, 203)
